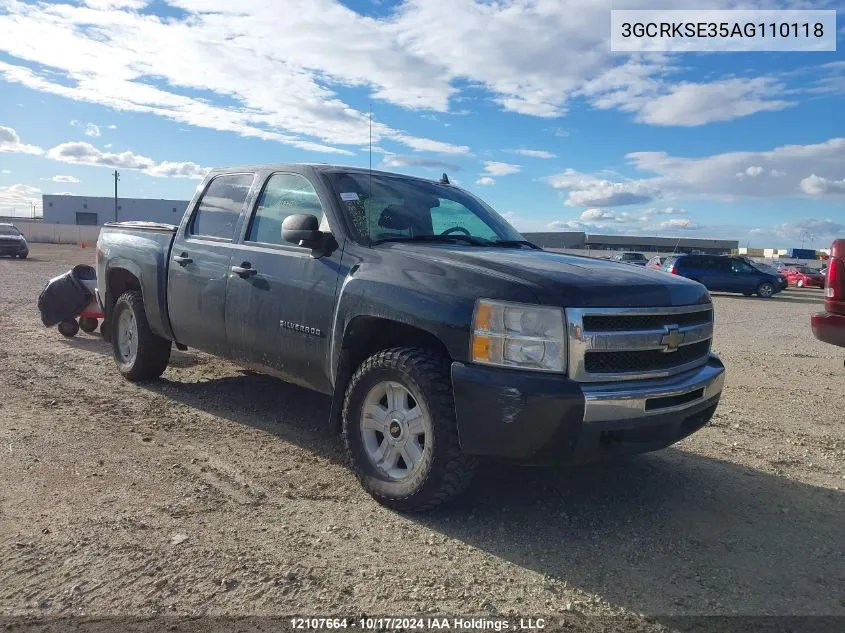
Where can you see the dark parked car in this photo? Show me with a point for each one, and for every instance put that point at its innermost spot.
(722, 273)
(12, 241)
(631, 258)
(441, 334)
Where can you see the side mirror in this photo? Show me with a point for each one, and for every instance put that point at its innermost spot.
(302, 229)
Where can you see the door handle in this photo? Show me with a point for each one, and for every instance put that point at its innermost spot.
(244, 270)
(182, 260)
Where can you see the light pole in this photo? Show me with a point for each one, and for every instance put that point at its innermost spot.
(116, 178)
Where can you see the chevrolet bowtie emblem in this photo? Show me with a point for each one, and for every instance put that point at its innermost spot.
(672, 339)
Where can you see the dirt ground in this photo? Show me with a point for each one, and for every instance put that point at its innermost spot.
(215, 491)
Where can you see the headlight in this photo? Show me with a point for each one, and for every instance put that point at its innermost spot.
(519, 335)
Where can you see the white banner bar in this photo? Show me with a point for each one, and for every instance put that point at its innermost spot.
(656, 30)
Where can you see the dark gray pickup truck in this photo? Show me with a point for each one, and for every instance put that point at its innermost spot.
(440, 333)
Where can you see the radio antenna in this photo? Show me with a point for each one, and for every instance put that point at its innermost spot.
(371, 151)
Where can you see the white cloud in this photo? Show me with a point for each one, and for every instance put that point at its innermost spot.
(394, 160)
(814, 185)
(92, 130)
(684, 224)
(694, 104)
(648, 213)
(68, 179)
(817, 232)
(211, 68)
(586, 190)
(485, 181)
(534, 153)
(494, 168)
(86, 154)
(108, 56)
(112, 126)
(715, 177)
(577, 225)
(19, 199)
(5, 171)
(10, 142)
(80, 153)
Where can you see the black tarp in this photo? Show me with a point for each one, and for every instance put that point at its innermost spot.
(65, 296)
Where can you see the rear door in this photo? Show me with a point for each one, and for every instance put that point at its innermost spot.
(199, 263)
(279, 315)
(711, 271)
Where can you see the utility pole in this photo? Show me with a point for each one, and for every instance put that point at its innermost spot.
(116, 178)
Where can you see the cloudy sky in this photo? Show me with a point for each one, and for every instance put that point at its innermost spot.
(520, 101)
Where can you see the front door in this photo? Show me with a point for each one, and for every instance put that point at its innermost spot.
(198, 270)
(279, 307)
(744, 278)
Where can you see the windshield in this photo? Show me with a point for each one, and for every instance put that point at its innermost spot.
(765, 268)
(9, 230)
(382, 207)
(805, 270)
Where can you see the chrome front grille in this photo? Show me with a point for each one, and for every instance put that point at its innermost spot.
(636, 343)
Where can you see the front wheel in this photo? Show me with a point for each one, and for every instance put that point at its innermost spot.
(765, 290)
(139, 353)
(400, 430)
(800, 283)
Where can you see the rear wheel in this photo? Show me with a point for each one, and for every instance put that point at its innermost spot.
(23, 255)
(88, 324)
(765, 290)
(139, 353)
(400, 430)
(69, 328)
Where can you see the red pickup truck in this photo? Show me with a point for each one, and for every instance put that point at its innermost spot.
(829, 326)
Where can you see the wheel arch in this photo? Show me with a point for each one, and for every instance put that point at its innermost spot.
(366, 335)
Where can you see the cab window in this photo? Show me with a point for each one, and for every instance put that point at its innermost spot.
(220, 207)
(283, 195)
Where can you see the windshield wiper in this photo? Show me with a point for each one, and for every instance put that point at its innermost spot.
(448, 239)
(515, 243)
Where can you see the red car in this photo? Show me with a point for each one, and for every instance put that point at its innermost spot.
(829, 326)
(656, 263)
(803, 277)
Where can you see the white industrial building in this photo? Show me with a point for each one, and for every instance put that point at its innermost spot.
(96, 211)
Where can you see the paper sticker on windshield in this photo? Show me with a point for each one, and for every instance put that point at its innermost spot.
(348, 196)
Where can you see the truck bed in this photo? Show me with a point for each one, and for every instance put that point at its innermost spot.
(143, 250)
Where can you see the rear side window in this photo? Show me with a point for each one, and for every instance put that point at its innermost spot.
(220, 206)
(284, 195)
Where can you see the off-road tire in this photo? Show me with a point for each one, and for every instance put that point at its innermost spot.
(153, 351)
(105, 331)
(448, 471)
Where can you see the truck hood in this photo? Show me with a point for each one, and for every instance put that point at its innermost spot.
(568, 280)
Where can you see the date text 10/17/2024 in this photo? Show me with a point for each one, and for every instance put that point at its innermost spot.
(421, 624)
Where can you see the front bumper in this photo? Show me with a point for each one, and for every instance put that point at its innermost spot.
(829, 327)
(545, 418)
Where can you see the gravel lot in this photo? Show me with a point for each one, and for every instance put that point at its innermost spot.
(218, 491)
